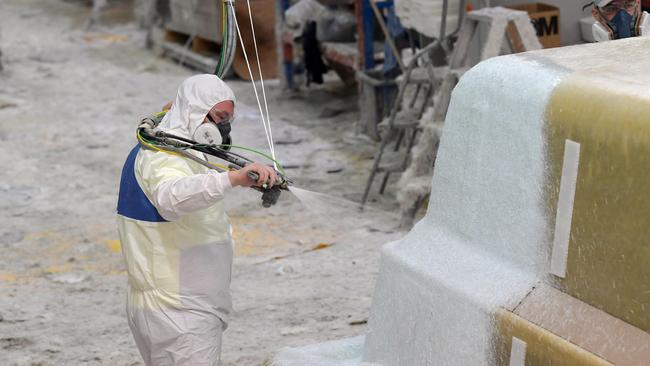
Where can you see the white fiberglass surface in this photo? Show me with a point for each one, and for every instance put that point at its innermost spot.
(484, 242)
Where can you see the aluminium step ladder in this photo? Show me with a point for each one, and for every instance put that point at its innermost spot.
(508, 31)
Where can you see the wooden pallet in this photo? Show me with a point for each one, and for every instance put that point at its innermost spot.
(200, 53)
(198, 44)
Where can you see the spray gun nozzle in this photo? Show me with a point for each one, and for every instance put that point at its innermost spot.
(271, 195)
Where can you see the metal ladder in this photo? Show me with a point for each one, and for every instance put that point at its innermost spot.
(403, 121)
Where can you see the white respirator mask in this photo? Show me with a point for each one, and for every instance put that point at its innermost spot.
(211, 133)
(618, 19)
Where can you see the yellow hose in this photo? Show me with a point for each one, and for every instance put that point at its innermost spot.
(156, 148)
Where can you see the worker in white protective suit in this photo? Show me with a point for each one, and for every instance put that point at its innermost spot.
(617, 19)
(176, 237)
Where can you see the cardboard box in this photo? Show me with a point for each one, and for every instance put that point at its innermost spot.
(546, 19)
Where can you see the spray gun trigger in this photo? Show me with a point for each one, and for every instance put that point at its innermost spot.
(253, 175)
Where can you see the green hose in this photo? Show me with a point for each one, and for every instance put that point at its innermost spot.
(269, 157)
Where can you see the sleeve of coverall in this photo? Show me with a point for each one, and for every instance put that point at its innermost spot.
(176, 190)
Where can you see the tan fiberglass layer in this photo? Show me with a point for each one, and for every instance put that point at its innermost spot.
(543, 348)
(583, 325)
(609, 250)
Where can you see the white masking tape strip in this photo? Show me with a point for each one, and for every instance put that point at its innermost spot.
(564, 214)
(517, 352)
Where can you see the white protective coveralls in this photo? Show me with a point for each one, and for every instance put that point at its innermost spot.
(176, 240)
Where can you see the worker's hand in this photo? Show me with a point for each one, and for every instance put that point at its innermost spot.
(240, 177)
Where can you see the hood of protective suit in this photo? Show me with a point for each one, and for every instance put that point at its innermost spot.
(195, 97)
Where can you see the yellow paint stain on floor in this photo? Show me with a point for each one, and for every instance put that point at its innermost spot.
(58, 269)
(113, 245)
(63, 250)
(251, 240)
(91, 267)
(116, 272)
(58, 242)
(255, 235)
(49, 234)
(8, 277)
(104, 37)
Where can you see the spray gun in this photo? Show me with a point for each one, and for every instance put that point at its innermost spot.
(149, 137)
(270, 195)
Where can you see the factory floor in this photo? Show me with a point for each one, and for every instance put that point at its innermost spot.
(69, 104)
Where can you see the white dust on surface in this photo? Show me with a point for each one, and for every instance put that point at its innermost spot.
(343, 352)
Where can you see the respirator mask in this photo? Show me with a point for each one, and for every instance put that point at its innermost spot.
(212, 133)
(622, 24)
(617, 19)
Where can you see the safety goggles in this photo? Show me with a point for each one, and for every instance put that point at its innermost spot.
(609, 11)
(218, 116)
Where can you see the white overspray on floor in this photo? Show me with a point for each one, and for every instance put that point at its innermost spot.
(344, 352)
(483, 243)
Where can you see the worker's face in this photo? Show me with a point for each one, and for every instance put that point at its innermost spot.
(221, 112)
(630, 6)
